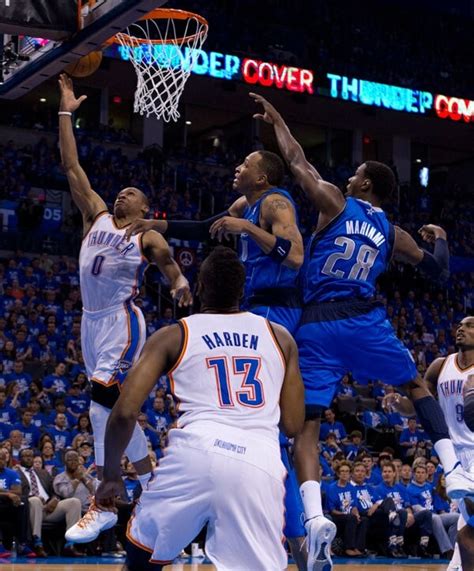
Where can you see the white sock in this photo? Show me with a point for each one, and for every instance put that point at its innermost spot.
(445, 450)
(311, 495)
(144, 479)
(456, 558)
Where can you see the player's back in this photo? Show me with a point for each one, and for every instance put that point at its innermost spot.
(230, 372)
(111, 269)
(451, 380)
(344, 259)
(262, 272)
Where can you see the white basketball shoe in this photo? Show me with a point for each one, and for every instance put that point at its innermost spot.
(321, 532)
(459, 483)
(91, 524)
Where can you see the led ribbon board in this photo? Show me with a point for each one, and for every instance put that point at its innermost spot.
(291, 78)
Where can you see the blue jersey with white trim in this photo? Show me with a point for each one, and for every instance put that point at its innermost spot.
(345, 259)
(262, 272)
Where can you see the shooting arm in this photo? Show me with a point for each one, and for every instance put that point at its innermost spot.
(159, 353)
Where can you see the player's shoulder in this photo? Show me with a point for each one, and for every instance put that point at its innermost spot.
(277, 198)
(435, 368)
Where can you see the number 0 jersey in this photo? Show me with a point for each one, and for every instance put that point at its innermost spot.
(230, 371)
(111, 269)
(451, 382)
(344, 259)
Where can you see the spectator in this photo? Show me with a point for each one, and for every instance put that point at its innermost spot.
(57, 383)
(405, 475)
(421, 498)
(332, 425)
(44, 505)
(83, 426)
(77, 403)
(60, 433)
(373, 474)
(158, 418)
(446, 509)
(342, 506)
(379, 510)
(354, 448)
(75, 481)
(8, 414)
(412, 441)
(30, 433)
(17, 445)
(150, 434)
(51, 461)
(12, 509)
(401, 499)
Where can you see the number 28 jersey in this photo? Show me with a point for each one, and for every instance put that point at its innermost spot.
(345, 258)
(230, 372)
(110, 268)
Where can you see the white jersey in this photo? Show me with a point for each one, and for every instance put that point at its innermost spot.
(230, 371)
(111, 269)
(451, 381)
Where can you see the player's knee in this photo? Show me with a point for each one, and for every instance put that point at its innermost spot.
(98, 416)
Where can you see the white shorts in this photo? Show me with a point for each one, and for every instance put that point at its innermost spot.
(112, 340)
(223, 478)
(466, 457)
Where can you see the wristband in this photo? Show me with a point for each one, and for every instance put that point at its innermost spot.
(280, 250)
(65, 113)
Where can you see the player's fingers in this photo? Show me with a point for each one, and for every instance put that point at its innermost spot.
(82, 98)
(259, 116)
(256, 96)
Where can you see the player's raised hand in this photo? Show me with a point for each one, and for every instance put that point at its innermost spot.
(181, 291)
(429, 232)
(142, 225)
(270, 114)
(68, 102)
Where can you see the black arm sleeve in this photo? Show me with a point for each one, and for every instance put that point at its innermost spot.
(436, 264)
(192, 229)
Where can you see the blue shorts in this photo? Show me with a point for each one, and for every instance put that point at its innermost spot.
(294, 510)
(289, 317)
(362, 344)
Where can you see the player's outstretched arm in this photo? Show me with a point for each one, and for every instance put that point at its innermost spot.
(435, 265)
(158, 252)
(185, 229)
(88, 201)
(326, 197)
(292, 392)
(159, 354)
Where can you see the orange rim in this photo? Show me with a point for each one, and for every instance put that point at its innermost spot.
(163, 14)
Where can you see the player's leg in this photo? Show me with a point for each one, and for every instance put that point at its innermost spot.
(378, 354)
(294, 512)
(321, 372)
(248, 502)
(176, 504)
(455, 563)
(295, 533)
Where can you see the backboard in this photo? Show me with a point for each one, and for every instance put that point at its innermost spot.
(27, 61)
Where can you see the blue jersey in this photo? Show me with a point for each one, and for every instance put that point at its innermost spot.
(260, 270)
(345, 259)
(397, 492)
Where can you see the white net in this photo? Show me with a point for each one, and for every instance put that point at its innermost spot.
(163, 52)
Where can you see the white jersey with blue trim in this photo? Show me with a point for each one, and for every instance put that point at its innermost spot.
(110, 267)
(451, 382)
(231, 372)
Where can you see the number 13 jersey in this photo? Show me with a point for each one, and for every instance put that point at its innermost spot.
(111, 268)
(344, 259)
(231, 372)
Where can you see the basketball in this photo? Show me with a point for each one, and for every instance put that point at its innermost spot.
(85, 66)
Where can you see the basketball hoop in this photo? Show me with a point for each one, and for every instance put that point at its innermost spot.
(163, 47)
